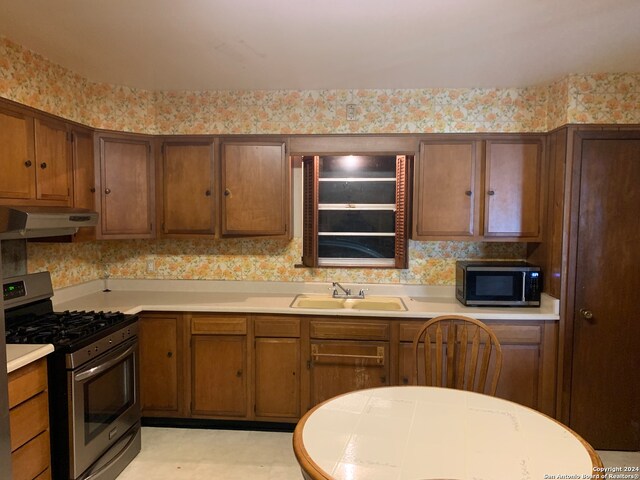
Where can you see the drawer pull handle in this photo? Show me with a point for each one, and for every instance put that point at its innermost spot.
(379, 358)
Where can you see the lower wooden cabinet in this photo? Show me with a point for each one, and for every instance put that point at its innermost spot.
(162, 355)
(275, 367)
(29, 422)
(347, 355)
(529, 356)
(219, 365)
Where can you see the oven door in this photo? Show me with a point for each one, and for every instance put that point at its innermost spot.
(104, 404)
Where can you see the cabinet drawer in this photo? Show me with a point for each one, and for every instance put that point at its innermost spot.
(507, 334)
(28, 420)
(350, 330)
(27, 381)
(32, 459)
(219, 325)
(277, 327)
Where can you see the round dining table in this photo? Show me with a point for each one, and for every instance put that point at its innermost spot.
(425, 433)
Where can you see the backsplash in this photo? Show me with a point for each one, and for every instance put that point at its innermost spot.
(431, 263)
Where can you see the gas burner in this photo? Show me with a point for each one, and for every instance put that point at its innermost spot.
(63, 328)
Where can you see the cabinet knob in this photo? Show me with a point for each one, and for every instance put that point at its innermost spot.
(43, 165)
(107, 191)
(239, 373)
(405, 380)
(27, 163)
(207, 193)
(227, 192)
(92, 189)
(468, 193)
(491, 192)
(586, 314)
(169, 354)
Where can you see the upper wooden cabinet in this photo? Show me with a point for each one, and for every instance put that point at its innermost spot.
(513, 184)
(84, 177)
(447, 188)
(186, 190)
(53, 159)
(478, 189)
(127, 206)
(255, 190)
(35, 160)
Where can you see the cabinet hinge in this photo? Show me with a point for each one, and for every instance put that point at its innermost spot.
(70, 137)
(163, 227)
(308, 364)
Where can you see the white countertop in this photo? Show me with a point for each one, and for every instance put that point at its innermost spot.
(134, 296)
(21, 355)
(400, 433)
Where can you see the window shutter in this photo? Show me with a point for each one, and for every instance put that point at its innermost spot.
(402, 202)
(310, 211)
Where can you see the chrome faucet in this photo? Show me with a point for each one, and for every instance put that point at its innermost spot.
(347, 292)
(336, 286)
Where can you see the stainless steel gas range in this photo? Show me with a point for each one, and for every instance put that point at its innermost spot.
(93, 379)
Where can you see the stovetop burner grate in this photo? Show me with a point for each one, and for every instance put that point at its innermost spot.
(62, 328)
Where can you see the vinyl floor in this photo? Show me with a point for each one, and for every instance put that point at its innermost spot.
(194, 454)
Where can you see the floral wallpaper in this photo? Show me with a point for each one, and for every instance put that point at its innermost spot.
(29, 78)
(431, 263)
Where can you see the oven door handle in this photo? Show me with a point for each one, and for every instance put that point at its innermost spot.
(98, 369)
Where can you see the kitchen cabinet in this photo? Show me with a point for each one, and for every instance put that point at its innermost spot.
(84, 177)
(162, 361)
(187, 203)
(448, 190)
(528, 365)
(277, 367)
(480, 189)
(29, 421)
(127, 179)
(35, 160)
(513, 188)
(347, 355)
(219, 361)
(255, 190)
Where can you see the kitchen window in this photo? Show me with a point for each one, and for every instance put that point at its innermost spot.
(355, 211)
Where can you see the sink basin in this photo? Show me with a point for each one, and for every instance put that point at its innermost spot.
(303, 301)
(328, 302)
(385, 303)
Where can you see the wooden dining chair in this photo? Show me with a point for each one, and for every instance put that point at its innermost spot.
(458, 354)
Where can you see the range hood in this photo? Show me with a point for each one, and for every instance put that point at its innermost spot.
(37, 222)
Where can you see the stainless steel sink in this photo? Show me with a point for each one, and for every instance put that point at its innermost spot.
(332, 303)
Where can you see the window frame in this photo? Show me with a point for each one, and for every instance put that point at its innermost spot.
(311, 208)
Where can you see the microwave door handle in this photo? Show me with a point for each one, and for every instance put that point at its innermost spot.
(92, 372)
(524, 284)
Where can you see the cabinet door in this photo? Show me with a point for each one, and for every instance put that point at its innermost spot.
(161, 364)
(53, 169)
(277, 377)
(513, 186)
(84, 178)
(127, 176)
(187, 180)
(342, 366)
(447, 190)
(17, 160)
(219, 370)
(529, 357)
(255, 190)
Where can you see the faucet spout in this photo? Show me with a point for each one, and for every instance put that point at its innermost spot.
(336, 286)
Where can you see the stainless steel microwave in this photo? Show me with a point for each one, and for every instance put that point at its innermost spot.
(498, 283)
